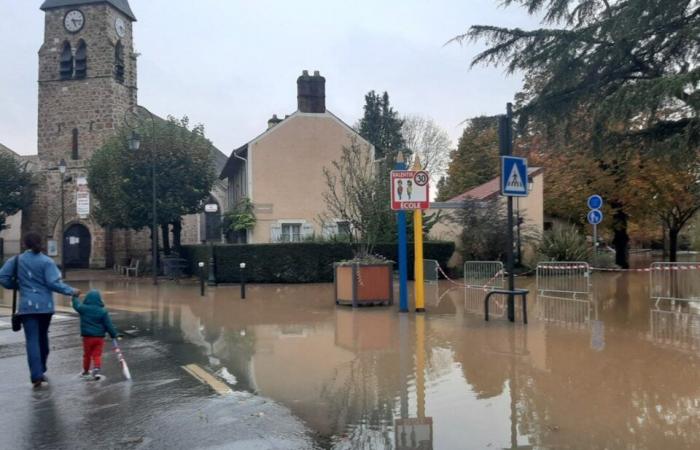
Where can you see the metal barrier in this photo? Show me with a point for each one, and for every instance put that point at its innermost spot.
(479, 278)
(484, 274)
(675, 329)
(430, 270)
(564, 311)
(674, 281)
(563, 279)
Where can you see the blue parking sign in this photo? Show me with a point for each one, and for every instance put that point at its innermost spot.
(514, 176)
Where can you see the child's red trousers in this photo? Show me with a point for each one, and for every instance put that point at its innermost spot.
(92, 351)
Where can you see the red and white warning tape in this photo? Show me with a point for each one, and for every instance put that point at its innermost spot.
(485, 287)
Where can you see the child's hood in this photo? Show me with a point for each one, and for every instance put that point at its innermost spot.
(94, 298)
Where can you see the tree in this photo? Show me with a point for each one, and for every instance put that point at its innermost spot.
(381, 127)
(484, 230)
(425, 139)
(358, 194)
(673, 192)
(240, 219)
(16, 187)
(120, 179)
(476, 159)
(630, 66)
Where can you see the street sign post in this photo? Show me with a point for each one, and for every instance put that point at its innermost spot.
(595, 202)
(595, 217)
(410, 190)
(513, 176)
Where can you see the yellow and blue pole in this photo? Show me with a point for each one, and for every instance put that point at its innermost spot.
(418, 252)
(403, 263)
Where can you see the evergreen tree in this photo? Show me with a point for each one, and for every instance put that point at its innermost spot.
(629, 66)
(475, 161)
(381, 126)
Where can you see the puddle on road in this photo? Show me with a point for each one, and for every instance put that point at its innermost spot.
(604, 369)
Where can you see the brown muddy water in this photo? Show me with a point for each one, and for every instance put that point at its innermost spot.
(608, 368)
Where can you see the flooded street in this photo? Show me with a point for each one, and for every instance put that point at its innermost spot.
(604, 369)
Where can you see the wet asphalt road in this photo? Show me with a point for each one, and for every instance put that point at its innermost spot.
(163, 407)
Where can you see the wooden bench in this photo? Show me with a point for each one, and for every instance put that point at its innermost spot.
(515, 292)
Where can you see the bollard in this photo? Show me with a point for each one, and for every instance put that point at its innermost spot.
(201, 278)
(242, 280)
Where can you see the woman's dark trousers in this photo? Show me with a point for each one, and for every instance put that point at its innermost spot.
(36, 334)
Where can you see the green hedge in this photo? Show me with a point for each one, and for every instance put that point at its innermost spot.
(294, 263)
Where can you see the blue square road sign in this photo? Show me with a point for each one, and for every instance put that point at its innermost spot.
(514, 176)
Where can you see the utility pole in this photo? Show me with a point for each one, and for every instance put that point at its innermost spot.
(505, 136)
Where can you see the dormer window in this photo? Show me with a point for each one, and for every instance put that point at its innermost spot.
(81, 61)
(66, 65)
(119, 62)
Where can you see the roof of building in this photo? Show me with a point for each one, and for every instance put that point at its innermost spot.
(489, 189)
(120, 5)
(8, 150)
(225, 172)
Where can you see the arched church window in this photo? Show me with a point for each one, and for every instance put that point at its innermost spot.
(81, 60)
(119, 62)
(75, 154)
(66, 66)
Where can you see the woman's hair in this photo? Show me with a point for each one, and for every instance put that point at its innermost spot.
(32, 241)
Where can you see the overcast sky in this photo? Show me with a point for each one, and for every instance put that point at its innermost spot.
(231, 64)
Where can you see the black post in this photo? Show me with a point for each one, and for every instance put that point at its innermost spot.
(201, 279)
(63, 226)
(211, 281)
(505, 131)
(154, 193)
(242, 280)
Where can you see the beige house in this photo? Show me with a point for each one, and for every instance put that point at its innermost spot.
(281, 170)
(529, 209)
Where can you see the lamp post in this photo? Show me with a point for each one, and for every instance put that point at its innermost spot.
(134, 142)
(62, 172)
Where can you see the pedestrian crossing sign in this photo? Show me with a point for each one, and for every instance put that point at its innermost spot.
(514, 176)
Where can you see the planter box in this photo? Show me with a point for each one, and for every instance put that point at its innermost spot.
(363, 284)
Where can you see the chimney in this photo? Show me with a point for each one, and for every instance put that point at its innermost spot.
(274, 120)
(311, 93)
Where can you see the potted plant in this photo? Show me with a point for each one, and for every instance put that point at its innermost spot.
(357, 195)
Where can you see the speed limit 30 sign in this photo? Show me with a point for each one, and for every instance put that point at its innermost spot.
(410, 189)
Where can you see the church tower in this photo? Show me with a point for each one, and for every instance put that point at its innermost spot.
(87, 82)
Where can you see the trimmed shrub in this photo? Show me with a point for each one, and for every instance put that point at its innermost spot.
(305, 262)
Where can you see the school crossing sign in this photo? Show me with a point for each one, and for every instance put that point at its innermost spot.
(410, 189)
(514, 176)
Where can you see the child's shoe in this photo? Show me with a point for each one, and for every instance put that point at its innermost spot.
(85, 375)
(96, 375)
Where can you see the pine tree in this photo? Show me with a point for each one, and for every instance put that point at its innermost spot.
(475, 161)
(381, 126)
(629, 66)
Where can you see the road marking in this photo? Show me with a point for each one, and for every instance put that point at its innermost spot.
(206, 378)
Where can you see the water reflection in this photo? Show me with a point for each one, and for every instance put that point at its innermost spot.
(606, 371)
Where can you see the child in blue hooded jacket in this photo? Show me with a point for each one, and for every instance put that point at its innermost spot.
(94, 324)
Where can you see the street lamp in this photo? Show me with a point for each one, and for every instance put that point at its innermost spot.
(62, 171)
(134, 143)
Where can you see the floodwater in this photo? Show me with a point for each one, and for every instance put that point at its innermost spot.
(599, 366)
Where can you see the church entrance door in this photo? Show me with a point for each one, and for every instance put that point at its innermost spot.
(77, 246)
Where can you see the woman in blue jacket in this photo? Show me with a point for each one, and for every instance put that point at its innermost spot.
(39, 278)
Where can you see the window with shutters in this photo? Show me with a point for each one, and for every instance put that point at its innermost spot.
(291, 232)
(66, 62)
(81, 60)
(119, 62)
